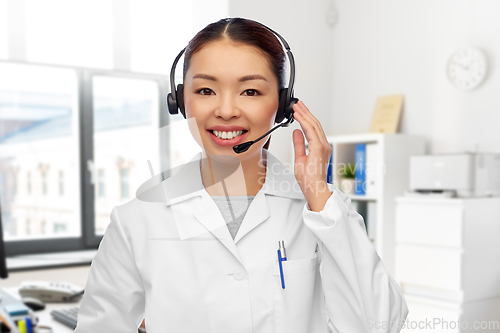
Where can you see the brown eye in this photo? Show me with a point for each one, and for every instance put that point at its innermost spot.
(251, 92)
(205, 91)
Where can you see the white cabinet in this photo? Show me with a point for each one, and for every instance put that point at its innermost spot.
(447, 259)
(428, 315)
(389, 155)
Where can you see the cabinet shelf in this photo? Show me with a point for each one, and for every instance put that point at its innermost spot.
(363, 197)
(390, 179)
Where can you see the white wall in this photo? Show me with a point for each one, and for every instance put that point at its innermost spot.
(390, 46)
(305, 27)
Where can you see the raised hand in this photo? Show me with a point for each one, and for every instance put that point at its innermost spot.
(311, 170)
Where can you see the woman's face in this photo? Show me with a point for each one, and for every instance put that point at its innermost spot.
(232, 93)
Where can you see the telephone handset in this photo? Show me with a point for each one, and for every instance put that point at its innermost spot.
(51, 291)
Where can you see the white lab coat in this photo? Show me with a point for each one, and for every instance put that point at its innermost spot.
(173, 261)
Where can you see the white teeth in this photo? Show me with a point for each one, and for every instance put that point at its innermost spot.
(227, 135)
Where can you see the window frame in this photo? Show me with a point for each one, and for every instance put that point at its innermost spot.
(88, 239)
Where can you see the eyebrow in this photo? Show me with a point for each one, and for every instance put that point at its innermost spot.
(242, 79)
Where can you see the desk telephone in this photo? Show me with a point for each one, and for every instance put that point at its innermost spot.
(51, 291)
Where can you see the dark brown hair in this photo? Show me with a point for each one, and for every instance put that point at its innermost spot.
(243, 31)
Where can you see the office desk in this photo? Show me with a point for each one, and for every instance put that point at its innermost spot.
(44, 317)
(74, 275)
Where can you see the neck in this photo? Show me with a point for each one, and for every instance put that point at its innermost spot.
(229, 176)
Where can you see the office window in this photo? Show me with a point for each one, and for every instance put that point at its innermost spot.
(126, 136)
(61, 183)
(60, 228)
(28, 227)
(39, 132)
(44, 183)
(12, 228)
(14, 183)
(3, 186)
(124, 183)
(101, 189)
(28, 182)
(40, 125)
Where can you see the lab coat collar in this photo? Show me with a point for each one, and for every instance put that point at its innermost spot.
(280, 181)
(181, 189)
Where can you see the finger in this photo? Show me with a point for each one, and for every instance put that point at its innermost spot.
(319, 146)
(299, 144)
(307, 126)
(304, 111)
(317, 125)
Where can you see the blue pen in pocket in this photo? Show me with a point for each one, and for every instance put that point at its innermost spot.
(281, 258)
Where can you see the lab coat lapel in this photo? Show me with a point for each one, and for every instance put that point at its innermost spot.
(280, 182)
(185, 191)
(257, 213)
(194, 211)
(209, 215)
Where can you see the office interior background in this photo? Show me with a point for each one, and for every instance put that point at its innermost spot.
(82, 99)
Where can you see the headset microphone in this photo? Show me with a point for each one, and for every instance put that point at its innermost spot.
(243, 147)
(175, 99)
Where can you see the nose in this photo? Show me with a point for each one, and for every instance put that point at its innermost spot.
(227, 108)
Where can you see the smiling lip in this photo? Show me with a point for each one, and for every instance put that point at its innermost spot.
(227, 128)
(227, 142)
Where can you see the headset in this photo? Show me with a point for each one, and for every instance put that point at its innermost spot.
(175, 99)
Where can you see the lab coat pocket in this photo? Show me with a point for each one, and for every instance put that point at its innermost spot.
(293, 305)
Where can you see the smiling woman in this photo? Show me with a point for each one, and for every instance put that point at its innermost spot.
(205, 245)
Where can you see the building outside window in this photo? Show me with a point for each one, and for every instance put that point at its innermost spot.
(39, 134)
(3, 186)
(124, 183)
(14, 183)
(61, 183)
(28, 227)
(28, 182)
(44, 182)
(101, 189)
(59, 228)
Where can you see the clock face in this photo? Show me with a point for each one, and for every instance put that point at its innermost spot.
(467, 68)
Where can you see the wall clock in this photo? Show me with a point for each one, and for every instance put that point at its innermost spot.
(467, 68)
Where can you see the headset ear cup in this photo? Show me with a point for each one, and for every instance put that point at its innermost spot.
(289, 110)
(180, 99)
(172, 104)
(280, 113)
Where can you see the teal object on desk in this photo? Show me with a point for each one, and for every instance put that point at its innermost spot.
(16, 309)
